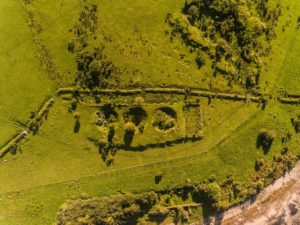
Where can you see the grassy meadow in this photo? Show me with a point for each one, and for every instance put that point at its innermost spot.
(24, 84)
(57, 164)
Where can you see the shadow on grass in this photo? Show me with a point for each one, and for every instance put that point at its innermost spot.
(76, 126)
(128, 138)
(158, 145)
(262, 143)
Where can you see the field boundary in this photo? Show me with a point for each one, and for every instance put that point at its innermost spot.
(166, 90)
(40, 114)
(258, 98)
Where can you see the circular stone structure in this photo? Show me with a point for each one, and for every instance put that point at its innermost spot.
(164, 119)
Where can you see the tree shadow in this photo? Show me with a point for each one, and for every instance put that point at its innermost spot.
(262, 143)
(111, 134)
(109, 113)
(76, 126)
(128, 138)
(135, 115)
(157, 179)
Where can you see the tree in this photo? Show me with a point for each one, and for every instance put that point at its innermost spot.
(265, 139)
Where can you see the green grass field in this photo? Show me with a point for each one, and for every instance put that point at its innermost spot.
(56, 164)
(24, 85)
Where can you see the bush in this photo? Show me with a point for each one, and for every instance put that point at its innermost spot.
(259, 164)
(130, 128)
(210, 193)
(93, 69)
(158, 211)
(265, 139)
(296, 124)
(73, 106)
(76, 115)
(200, 60)
(34, 127)
(138, 101)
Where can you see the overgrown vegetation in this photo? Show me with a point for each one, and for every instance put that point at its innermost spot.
(232, 36)
(114, 210)
(93, 66)
(164, 119)
(217, 196)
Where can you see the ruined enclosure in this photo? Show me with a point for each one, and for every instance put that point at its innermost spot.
(148, 124)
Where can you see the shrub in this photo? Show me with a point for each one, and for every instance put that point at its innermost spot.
(158, 211)
(259, 164)
(34, 127)
(93, 68)
(73, 106)
(138, 101)
(210, 193)
(76, 115)
(130, 128)
(296, 124)
(189, 183)
(265, 139)
(200, 60)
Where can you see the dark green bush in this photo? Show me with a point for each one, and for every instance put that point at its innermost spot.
(93, 68)
(265, 139)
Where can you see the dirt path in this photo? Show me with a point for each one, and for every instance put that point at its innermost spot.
(278, 204)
